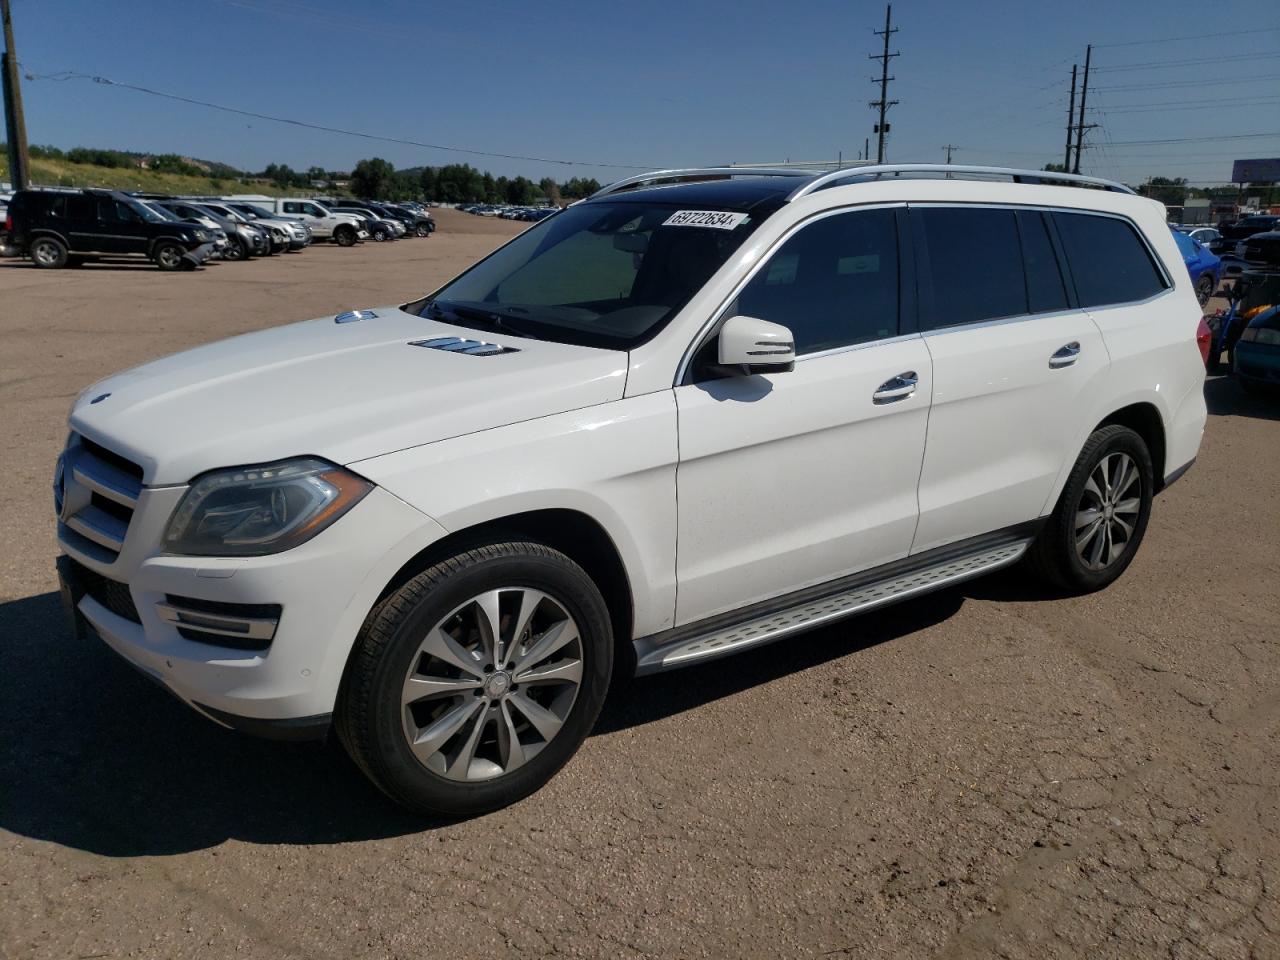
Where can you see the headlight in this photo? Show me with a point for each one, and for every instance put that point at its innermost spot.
(251, 511)
(203, 235)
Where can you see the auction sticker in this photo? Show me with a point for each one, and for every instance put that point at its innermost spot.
(716, 219)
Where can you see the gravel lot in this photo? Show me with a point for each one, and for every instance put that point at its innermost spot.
(987, 772)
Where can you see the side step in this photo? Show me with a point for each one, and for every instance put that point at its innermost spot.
(687, 645)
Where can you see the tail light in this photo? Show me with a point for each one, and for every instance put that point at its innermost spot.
(1203, 337)
(8, 223)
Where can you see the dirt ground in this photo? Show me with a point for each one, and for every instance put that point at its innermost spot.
(987, 772)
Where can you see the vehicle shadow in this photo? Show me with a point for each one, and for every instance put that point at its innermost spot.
(1226, 398)
(95, 757)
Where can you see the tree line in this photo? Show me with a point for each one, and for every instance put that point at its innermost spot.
(372, 177)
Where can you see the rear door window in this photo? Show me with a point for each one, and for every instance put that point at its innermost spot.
(1109, 261)
(975, 263)
(1046, 292)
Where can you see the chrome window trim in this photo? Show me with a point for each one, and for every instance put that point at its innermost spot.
(717, 315)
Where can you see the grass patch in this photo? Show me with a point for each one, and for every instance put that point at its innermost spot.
(60, 173)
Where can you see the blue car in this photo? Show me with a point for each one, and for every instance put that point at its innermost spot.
(1205, 267)
(1257, 355)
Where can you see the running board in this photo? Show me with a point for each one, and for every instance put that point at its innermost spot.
(681, 647)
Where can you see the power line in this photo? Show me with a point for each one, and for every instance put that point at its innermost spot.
(1198, 36)
(1189, 62)
(72, 75)
(1238, 136)
(1155, 85)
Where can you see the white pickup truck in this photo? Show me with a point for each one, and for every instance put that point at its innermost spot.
(344, 229)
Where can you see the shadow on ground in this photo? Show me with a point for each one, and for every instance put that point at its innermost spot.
(95, 757)
(1226, 398)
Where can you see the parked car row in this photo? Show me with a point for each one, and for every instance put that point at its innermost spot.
(509, 212)
(1251, 241)
(58, 227)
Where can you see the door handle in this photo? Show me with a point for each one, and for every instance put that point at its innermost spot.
(896, 388)
(1065, 355)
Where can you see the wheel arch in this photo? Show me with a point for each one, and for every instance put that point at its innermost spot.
(575, 534)
(1144, 419)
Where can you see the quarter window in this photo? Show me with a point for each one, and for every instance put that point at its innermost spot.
(834, 283)
(975, 263)
(1109, 262)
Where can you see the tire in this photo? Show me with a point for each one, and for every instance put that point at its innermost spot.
(168, 256)
(345, 236)
(458, 763)
(422, 230)
(236, 250)
(1055, 557)
(1205, 288)
(48, 253)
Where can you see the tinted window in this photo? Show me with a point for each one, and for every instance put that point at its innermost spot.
(1109, 261)
(834, 283)
(975, 262)
(1045, 289)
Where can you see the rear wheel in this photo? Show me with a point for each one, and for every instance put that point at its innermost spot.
(1205, 288)
(48, 253)
(472, 684)
(1101, 516)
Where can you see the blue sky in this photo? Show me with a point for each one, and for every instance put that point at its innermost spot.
(654, 84)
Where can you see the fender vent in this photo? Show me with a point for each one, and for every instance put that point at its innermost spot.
(474, 348)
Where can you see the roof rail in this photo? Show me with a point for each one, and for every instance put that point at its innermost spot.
(696, 173)
(952, 171)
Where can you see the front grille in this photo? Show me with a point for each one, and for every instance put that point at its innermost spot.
(111, 594)
(98, 493)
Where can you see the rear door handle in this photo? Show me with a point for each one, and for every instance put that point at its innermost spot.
(1065, 355)
(896, 388)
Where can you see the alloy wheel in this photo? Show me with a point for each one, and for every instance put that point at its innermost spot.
(44, 252)
(1107, 515)
(491, 684)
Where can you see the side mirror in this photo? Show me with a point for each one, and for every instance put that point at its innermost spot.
(748, 345)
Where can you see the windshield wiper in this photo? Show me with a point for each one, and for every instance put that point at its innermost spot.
(491, 319)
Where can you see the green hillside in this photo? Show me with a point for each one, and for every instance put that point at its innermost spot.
(61, 173)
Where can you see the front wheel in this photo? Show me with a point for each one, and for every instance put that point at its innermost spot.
(235, 249)
(1101, 516)
(168, 256)
(422, 230)
(345, 236)
(475, 682)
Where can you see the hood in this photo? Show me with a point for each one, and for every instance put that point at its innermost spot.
(341, 391)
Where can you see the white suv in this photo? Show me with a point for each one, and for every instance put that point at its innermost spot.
(695, 413)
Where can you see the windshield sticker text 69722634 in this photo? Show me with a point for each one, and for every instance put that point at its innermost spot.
(716, 219)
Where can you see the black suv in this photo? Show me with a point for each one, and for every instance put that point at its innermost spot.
(53, 227)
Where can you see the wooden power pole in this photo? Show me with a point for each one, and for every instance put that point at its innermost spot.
(883, 104)
(14, 124)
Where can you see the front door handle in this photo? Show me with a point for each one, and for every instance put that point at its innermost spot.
(1065, 355)
(896, 388)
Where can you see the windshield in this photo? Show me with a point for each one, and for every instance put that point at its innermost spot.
(257, 211)
(161, 212)
(597, 274)
(147, 212)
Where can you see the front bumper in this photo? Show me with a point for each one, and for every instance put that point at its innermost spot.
(201, 254)
(323, 588)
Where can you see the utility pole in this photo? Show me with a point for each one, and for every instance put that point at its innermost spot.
(949, 147)
(1084, 91)
(1071, 118)
(883, 104)
(14, 124)
(866, 148)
